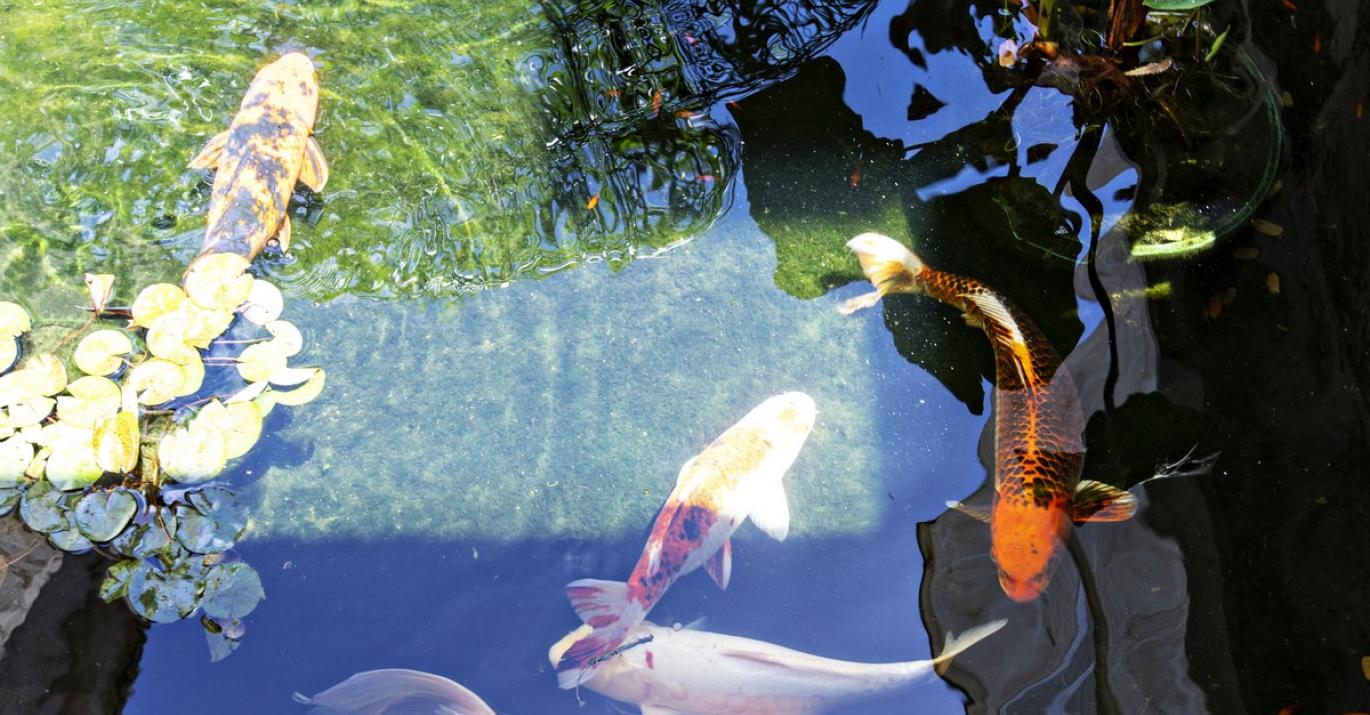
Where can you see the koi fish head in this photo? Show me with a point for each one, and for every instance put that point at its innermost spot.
(788, 417)
(292, 79)
(1026, 541)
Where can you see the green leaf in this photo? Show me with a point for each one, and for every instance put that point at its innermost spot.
(1177, 5)
(14, 320)
(162, 597)
(8, 499)
(231, 591)
(223, 639)
(1217, 45)
(212, 523)
(101, 516)
(115, 584)
(44, 508)
(70, 540)
(147, 539)
(15, 455)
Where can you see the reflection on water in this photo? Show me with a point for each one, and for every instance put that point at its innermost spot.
(473, 456)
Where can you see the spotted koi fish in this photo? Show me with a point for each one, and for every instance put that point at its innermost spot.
(1038, 423)
(736, 477)
(260, 157)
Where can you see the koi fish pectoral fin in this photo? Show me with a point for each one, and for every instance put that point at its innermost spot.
(208, 158)
(771, 514)
(282, 237)
(956, 643)
(860, 302)
(1095, 501)
(977, 513)
(720, 565)
(314, 171)
(375, 691)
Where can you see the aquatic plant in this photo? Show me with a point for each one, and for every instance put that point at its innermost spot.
(120, 460)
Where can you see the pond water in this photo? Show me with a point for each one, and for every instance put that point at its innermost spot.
(565, 245)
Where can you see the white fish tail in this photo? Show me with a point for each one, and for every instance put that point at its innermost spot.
(606, 607)
(959, 643)
(394, 690)
(888, 264)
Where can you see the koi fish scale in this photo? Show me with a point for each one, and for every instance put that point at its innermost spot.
(738, 476)
(1038, 428)
(261, 156)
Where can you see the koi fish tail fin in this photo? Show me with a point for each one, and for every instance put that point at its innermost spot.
(956, 644)
(888, 264)
(395, 690)
(606, 607)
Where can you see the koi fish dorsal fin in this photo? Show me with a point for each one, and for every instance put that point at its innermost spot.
(208, 158)
(314, 170)
(771, 513)
(1095, 501)
(720, 565)
(374, 692)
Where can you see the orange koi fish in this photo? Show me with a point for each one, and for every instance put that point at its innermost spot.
(260, 157)
(1038, 423)
(736, 477)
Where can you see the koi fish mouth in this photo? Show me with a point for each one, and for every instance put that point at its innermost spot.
(1024, 590)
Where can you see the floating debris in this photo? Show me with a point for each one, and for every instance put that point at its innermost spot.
(1246, 253)
(1268, 228)
(1272, 283)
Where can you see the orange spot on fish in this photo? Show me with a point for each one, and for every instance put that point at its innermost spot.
(656, 101)
(1291, 7)
(593, 202)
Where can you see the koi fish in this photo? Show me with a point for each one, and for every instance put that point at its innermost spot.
(1038, 423)
(736, 477)
(260, 157)
(396, 690)
(673, 671)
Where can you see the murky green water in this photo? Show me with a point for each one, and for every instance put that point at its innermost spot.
(566, 244)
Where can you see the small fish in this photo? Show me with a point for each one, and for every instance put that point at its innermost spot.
(656, 101)
(738, 476)
(593, 202)
(856, 174)
(393, 691)
(672, 671)
(1038, 425)
(260, 157)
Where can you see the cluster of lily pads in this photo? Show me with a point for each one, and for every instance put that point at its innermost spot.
(119, 458)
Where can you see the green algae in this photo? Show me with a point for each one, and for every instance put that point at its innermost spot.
(565, 408)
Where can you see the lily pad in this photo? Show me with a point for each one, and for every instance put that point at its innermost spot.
(286, 336)
(192, 377)
(14, 320)
(264, 303)
(27, 413)
(193, 455)
(231, 591)
(260, 361)
(219, 281)
(71, 465)
(203, 325)
(101, 516)
(102, 352)
(166, 338)
(44, 508)
(49, 373)
(222, 640)
(240, 423)
(116, 580)
(156, 381)
(151, 534)
(15, 455)
(91, 400)
(155, 301)
(302, 394)
(212, 522)
(161, 597)
(9, 498)
(116, 443)
(70, 540)
(1175, 5)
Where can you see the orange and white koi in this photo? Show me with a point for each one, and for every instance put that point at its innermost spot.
(674, 671)
(260, 157)
(1038, 427)
(736, 477)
